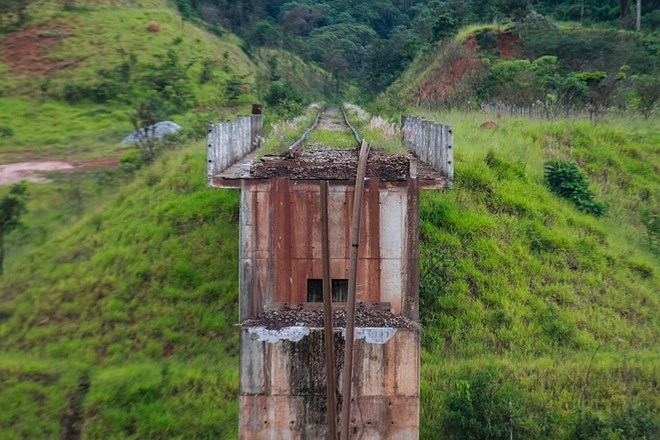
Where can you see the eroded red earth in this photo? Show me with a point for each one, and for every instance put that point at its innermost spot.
(27, 50)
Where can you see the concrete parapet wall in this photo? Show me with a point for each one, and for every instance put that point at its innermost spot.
(229, 142)
(431, 142)
(283, 380)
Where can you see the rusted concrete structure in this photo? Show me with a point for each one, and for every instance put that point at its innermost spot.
(283, 381)
(281, 249)
(282, 390)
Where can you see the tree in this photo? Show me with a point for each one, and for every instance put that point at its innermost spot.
(515, 9)
(647, 88)
(147, 114)
(12, 207)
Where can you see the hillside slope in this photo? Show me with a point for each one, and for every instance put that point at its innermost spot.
(123, 324)
(72, 77)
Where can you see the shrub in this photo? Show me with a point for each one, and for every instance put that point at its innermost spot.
(484, 406)
(131, 162)
(566, 180)
(651, 221)
(74, 93)
(6, 132)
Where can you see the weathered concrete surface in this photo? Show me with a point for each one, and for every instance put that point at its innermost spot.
(230, 141)
(280, 242)
(431, 142)
(282, 389)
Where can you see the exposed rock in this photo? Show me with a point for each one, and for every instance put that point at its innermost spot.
(158, 131)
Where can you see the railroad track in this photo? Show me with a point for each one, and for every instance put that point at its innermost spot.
(325, 119)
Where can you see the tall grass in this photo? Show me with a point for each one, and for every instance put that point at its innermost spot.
(139, 298)
(122, 324)
(563, 306)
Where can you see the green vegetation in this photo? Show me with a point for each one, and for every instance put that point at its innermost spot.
(128, 325)
(12, 208)
(566, 180)
(540, 320)
(281, 135)
(124, 320)
(332, 139)
(101, 64)
(526, 299)
(372, 42)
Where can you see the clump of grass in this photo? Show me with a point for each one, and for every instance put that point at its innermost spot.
(332, 139)
(377, 131)
(280, 135)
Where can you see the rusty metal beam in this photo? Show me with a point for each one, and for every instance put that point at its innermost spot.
(327, 316)
(352, 282)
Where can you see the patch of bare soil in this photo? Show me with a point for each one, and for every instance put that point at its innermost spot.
(333, 164)
(26, 50)
(364, 317)
(445, 80)
(509, 45)
(35, 171)
(31, 171)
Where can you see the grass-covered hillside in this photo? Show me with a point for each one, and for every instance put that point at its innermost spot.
(71, 77)
(527, 300)
(535, 63)
(123, 324)
(537, 318)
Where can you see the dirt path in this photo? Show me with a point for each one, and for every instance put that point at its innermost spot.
(34, 171)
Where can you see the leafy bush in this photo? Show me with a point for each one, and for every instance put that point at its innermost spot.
(631, 422)
(484, 406)
(287, 101)
(6, 132)
(566, 180)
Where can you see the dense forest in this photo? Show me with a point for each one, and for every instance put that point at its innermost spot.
(374, 40)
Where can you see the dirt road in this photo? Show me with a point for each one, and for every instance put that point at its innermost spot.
(34, 171)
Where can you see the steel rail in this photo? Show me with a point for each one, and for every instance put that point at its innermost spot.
(355, 133)
(294, 148)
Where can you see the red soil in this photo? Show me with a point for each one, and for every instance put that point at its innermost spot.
(509, 45)
(35, 170)
(26, 51)
(444, 81)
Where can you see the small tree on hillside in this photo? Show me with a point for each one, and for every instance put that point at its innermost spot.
(12, 207)
(147, 114)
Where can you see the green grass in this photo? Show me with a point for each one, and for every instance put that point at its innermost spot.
(53, 128)
(342, 139)
(138, 298)
(563, 305)
(37, 119)
(279, 135)
(380, 133)
(468, 31)
(137, 307)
